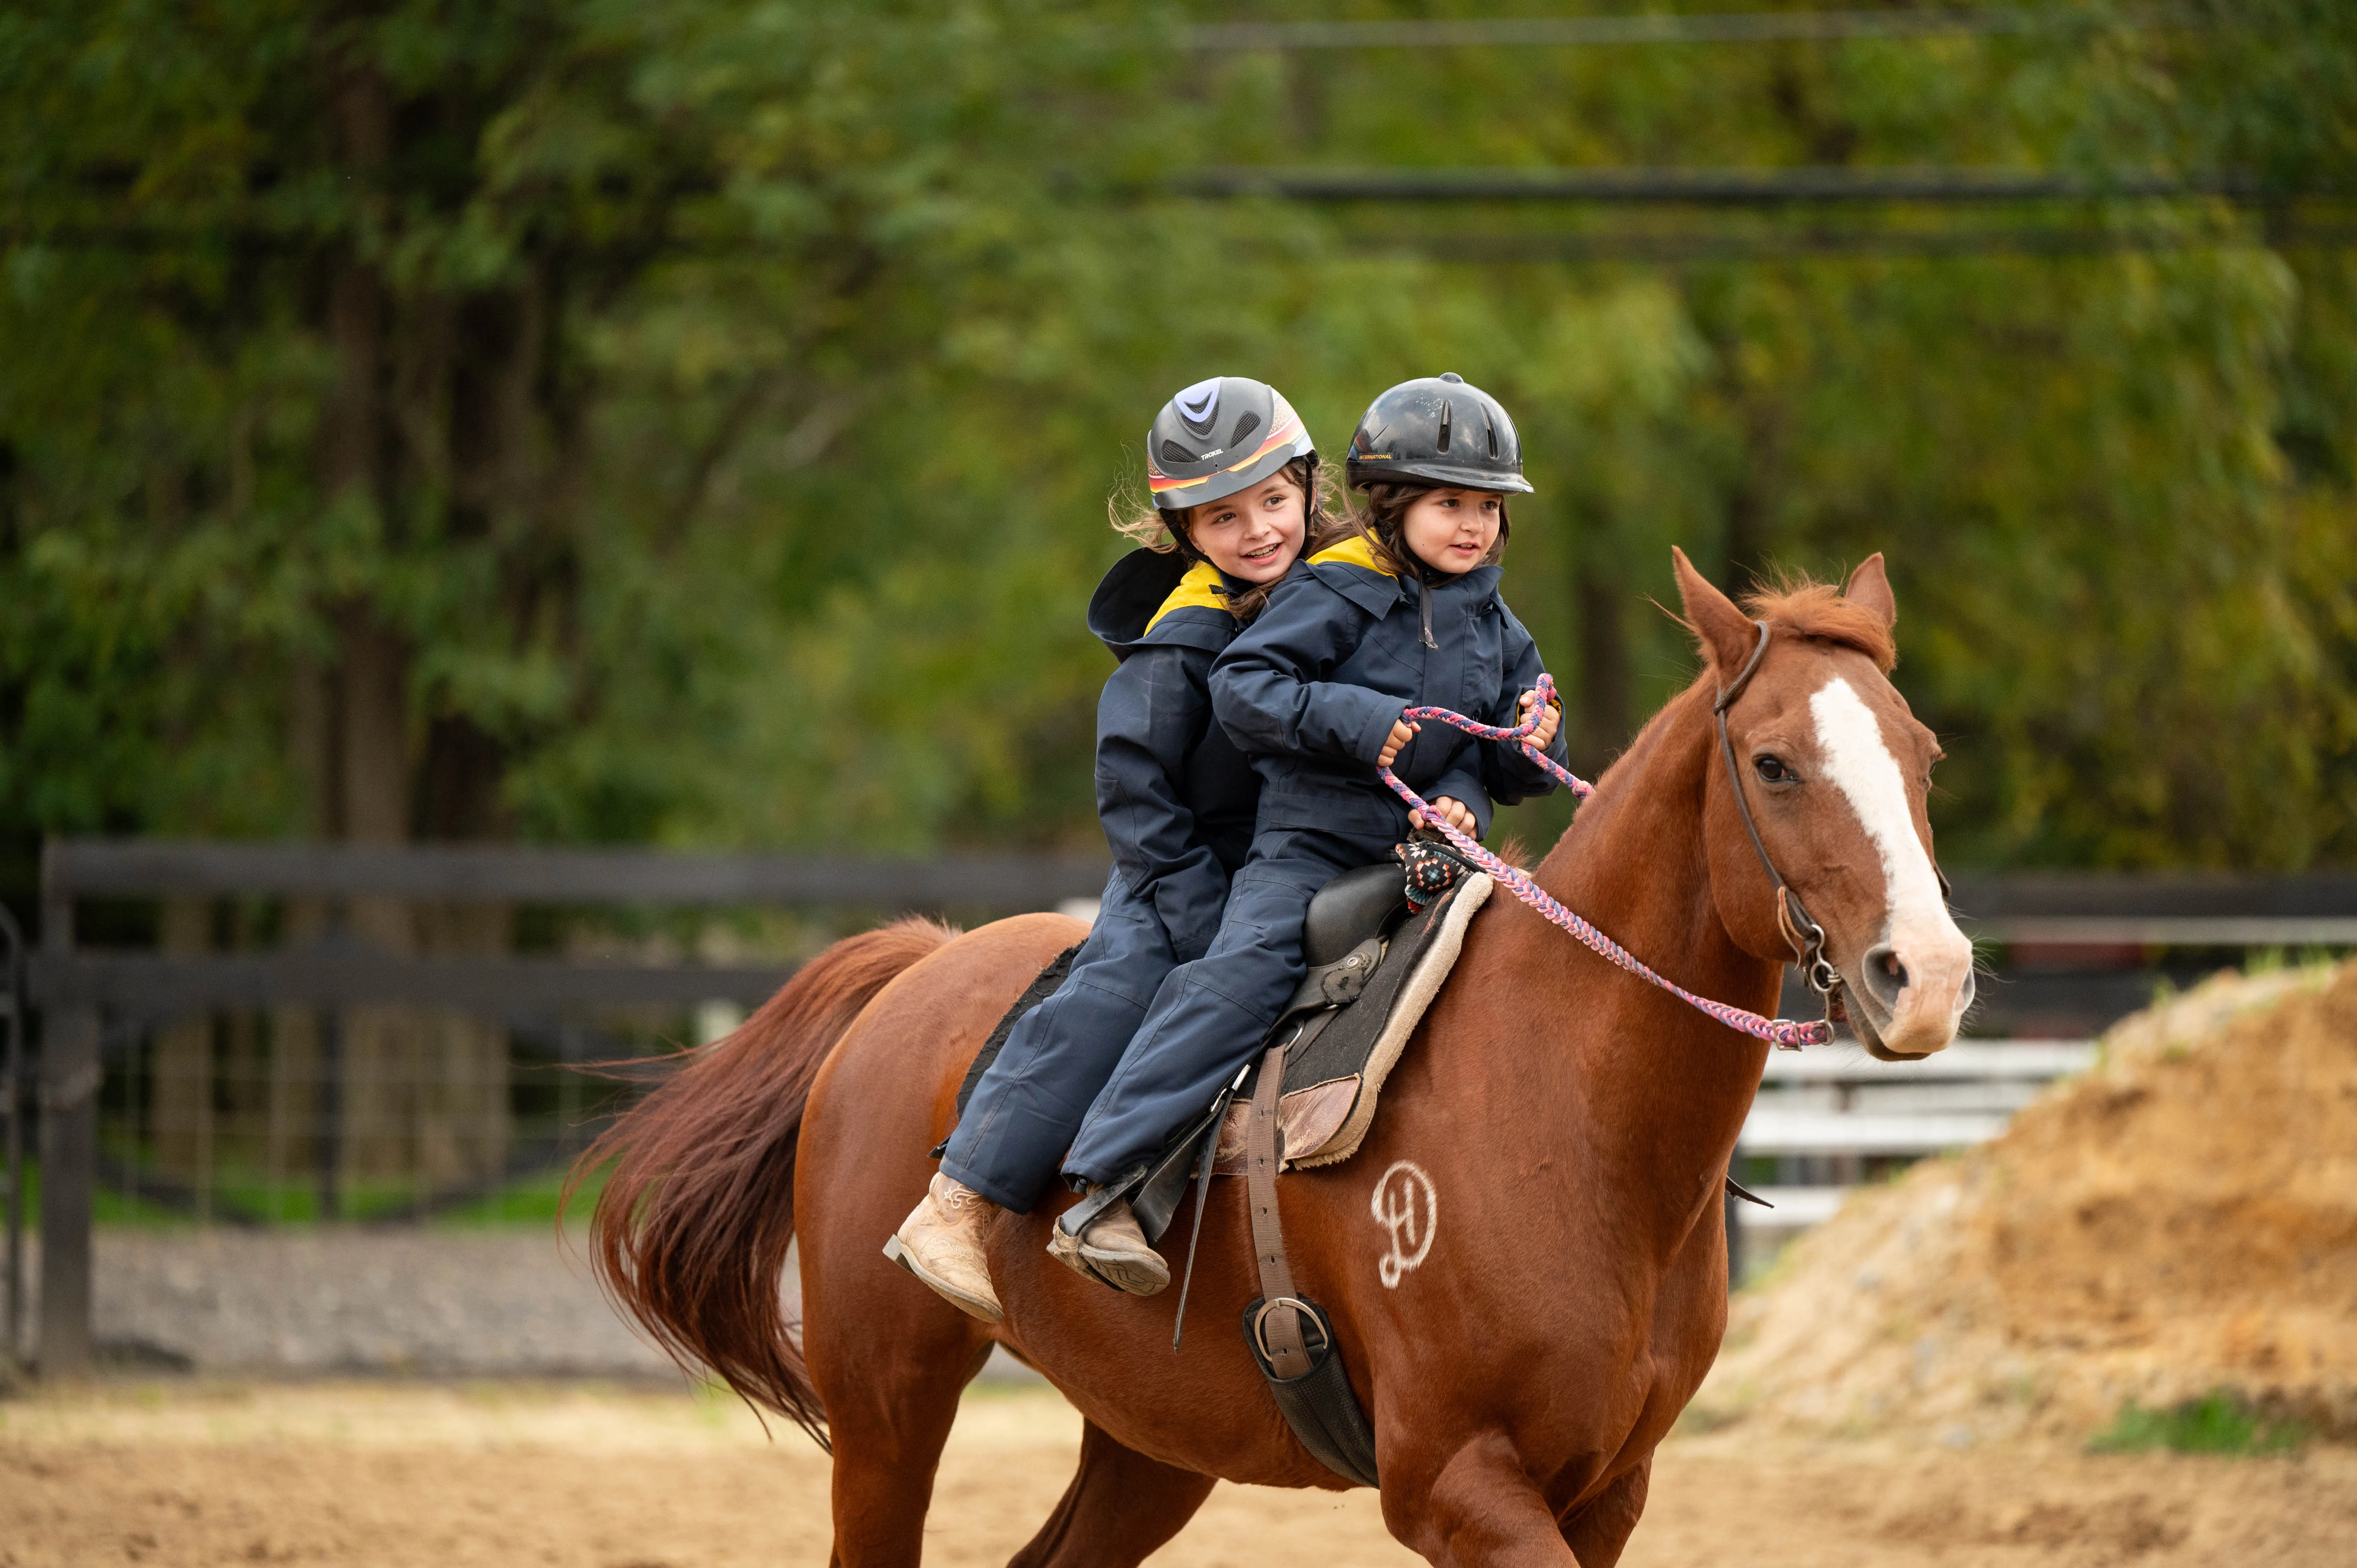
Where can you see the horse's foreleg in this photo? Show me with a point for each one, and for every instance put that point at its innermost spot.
(1120, 1507)
(1598, 1530)
(1476, 1508)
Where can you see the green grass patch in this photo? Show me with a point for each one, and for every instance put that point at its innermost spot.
(246, 1198)
(529, 1200)
(2218, 1423)
(111, 1207)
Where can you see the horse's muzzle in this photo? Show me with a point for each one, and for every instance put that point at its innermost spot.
(1907, 998)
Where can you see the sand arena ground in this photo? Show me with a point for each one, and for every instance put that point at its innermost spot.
(1915, 1386)
(384, 1474)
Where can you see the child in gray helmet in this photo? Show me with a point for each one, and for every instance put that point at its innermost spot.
(1233, 478)
(1405, 614)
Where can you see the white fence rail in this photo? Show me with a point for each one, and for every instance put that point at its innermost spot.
(1838, 1109)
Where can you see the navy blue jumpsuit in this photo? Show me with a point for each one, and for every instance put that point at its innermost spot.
(1311, 690)
(1178, 799)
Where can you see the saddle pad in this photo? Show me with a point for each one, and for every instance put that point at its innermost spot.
(1332, 1084)
(1039, 991)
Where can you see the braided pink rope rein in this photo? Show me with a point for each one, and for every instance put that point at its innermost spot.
(1782, 1032)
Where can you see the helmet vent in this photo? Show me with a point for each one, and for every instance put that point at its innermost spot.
(1493, 431)
(1244, 427)
(1444, 427)
(1196, 403)
(1174, 453)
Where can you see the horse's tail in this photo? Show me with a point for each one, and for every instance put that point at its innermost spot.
(689, 1236)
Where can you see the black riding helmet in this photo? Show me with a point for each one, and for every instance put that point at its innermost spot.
(1218, 437)
(1437, 430)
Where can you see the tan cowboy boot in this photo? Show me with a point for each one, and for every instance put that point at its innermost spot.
(941, 1242)
(1113, 1248)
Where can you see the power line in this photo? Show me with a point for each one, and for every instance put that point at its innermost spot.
(1736, 27)
(1702, 187)
(1871, 241)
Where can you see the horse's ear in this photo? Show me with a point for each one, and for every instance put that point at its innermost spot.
(1726, 633)
(1869, 587)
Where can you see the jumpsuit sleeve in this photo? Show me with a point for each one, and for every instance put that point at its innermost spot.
(1152, 713)
(1509, 771)
(1266, 689)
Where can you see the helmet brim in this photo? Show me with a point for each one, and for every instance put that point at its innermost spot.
(1360, 472)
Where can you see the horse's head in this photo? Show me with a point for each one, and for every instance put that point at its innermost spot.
(1835, 770)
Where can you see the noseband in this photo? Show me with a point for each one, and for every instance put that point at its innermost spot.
(1792, 918)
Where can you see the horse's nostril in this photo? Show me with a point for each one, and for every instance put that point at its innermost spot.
(1884, 977)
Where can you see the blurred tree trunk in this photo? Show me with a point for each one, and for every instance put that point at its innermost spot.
(431, 422)
(1602, 723)
(1750, 499)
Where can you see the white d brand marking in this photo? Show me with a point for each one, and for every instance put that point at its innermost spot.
(1405, 1205)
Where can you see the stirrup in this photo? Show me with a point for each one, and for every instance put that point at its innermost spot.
(1067, 1238)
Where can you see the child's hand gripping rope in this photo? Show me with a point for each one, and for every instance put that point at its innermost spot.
(1540, 712)
(1444, 808)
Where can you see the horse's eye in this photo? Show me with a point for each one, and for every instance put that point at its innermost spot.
(1773, 769)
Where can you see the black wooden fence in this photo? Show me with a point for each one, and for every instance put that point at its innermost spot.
(2075, 952)
(81, 992)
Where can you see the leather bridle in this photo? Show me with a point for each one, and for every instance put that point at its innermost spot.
(1792, 918)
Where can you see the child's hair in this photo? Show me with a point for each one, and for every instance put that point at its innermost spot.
(1382, 520)
(1325, 524)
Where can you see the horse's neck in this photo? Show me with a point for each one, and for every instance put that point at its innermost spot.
(1658, 1088)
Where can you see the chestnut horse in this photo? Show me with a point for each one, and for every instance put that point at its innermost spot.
(1527, 1262)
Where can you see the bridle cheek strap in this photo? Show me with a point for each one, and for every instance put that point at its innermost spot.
(1792, 918)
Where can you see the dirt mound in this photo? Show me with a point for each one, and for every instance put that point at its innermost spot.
(2181, 1219)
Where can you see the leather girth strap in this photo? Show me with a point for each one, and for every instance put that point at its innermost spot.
(1291, 1338)
(1279, 1329)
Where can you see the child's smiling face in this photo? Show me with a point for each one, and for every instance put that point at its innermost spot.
(1452, 531)
(1255, 535)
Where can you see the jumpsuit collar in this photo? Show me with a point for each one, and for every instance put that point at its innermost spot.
(1478, 585)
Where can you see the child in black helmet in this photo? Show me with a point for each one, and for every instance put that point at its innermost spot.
(1404, 614)
(1235, 483)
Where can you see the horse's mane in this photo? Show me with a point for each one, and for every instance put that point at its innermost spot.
(1809, 608)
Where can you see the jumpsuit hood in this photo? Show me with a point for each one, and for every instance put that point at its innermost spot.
(1171, 786)
(1162, 594)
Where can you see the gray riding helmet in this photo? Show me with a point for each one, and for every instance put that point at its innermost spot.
(1437, 430)
(1218, 437)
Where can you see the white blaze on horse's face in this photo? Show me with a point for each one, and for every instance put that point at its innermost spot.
(1917, 980)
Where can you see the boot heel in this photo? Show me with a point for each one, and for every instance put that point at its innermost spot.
(965, 1302)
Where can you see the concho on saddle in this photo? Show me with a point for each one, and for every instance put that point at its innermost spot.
(1380, 940)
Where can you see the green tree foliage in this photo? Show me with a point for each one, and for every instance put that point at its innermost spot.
(601, 420)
